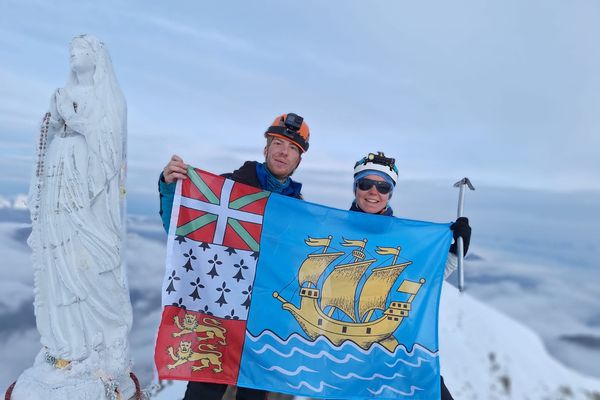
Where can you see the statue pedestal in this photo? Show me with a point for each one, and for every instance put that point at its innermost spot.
(43, 381)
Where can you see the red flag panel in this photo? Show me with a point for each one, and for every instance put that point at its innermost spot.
(256, 207)
(192, 346)
(214, 182)
(203, 234)
(233, 239)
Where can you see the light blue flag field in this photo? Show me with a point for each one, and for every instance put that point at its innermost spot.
(325, 303)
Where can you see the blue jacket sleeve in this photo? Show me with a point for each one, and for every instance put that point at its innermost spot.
(167, 193)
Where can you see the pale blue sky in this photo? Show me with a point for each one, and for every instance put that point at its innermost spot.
(505, 92)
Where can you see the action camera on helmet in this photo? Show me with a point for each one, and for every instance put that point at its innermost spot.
(293, 121)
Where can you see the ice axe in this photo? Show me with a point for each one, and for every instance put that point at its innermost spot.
(459, 242)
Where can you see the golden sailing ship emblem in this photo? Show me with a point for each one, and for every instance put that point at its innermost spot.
(339, 291)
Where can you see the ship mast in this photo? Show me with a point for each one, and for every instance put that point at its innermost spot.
(359, 256)
(376, 289)
(314, 265)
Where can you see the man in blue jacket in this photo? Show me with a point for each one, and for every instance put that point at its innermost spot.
(287, 139)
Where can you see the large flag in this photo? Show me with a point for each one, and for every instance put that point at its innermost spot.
(275, 293)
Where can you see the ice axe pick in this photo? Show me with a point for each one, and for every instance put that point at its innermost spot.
(459, 242)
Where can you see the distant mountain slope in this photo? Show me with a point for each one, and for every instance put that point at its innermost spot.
(487, 355)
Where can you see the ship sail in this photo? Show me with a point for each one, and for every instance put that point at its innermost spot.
(339, 289)
(314, 265)
(377, 287)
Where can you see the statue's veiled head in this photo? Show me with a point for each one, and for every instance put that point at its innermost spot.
(88, 57)
(82, 55)
(91, 66)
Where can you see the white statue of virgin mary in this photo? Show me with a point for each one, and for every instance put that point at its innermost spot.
(82, 305)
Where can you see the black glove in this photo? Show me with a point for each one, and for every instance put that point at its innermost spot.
(462, 229)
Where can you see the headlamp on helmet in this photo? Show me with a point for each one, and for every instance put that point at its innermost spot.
(378, 162)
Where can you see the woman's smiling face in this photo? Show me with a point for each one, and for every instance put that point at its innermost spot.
(371, 201)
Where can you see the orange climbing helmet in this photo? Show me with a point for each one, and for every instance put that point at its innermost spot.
(290, 127)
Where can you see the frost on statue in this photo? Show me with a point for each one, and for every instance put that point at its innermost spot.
(82, 306)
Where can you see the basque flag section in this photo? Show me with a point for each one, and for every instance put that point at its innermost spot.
(220, 211)
(213, 248)
(274, 293)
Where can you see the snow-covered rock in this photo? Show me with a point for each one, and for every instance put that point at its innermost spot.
(20, 202)
(171, 390)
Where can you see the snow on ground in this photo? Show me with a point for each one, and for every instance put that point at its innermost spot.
(171, 390)
(558, 302)
(487, 355)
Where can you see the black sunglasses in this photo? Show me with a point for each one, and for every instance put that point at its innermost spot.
(382, 187)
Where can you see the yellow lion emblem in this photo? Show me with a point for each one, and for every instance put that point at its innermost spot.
(212, 328)
(207, 356)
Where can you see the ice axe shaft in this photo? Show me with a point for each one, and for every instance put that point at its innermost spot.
(460, 253)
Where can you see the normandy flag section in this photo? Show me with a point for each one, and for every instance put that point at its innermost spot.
(274, 293)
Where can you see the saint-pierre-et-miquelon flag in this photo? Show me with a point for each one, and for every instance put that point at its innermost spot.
(275, 293)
